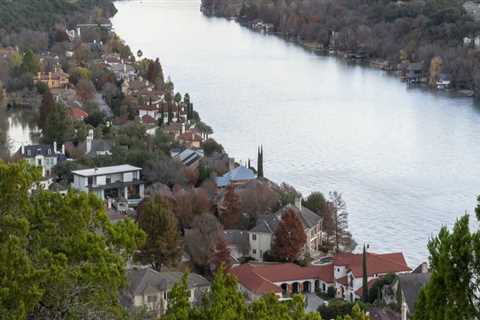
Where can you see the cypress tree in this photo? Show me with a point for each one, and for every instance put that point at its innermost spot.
(260, 162)
(365, 275)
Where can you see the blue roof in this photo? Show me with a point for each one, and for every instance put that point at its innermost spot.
(240, 173)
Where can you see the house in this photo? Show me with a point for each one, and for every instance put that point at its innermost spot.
(261, 236)
(405, 289)
(414, 73)
(44, 156)
(78, 113)
(281, 279)
(122, 182)
(342, 272)
(190, 139)
(91, 147)
(238, 243)
(54, 80)
(188, 157)
(348, 271)
(150, 289)
(238, 176)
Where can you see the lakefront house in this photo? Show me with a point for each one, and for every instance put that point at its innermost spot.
(261, 236)
(120, 183)
(342, 272)
(44, 156)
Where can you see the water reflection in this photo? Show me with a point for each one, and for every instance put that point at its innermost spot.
(17, 127)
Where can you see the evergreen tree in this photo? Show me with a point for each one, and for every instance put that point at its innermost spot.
(260, 162)
(289, 237)
(163, 245)
(58, 126)
(317, 203)
(452, 292)
(230, 213)
(31, 63)
(365, 275)
(47, 106)
(178, 303)
(60, 257)
(224, 301)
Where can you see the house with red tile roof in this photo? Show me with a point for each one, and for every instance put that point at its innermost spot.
(348, 271)
(344, 272)
(282, 279)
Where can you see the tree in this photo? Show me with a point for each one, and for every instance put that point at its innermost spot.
(230, 213)
(224, 301)
(211, 146)
(58, 126)
(178, 302)
(30, 63)
(221, 255)
(365, 275)
(47, 106)
(260, 163)
(452, 292)
(60, 257)
(85, 90)
(316, 202)
(337, 209)
(289, 237)
(163, 245)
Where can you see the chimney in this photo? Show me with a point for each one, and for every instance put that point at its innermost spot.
(88, 141)
(298, 203)
(78, 32)
(183, 127)
(22, 149)
(404, 311)
(63, 149)
(109, 203)
(55, 147)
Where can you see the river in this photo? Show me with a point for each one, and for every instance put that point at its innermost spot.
(406, 161)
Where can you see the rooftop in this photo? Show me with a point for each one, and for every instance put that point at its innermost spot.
(105, 170)
(378, 264)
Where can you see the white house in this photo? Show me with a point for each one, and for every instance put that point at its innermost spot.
(342, 272)
(150, 289)
(261, 236)
(42, 155)
(116, 182)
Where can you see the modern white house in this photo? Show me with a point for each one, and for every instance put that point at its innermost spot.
(122, 182)
(150, 289)
(261, 236)
(44, 156)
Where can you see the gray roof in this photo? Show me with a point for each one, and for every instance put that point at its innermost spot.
(145, 280)
(187, 156)
(411, 284)
(32, 151)
(106, 170)
(238, 238)
(269, 222)
(240, 173)
(100, 145)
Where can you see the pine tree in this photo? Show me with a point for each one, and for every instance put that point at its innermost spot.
(48, 104)
(289, 237)
(230, 214)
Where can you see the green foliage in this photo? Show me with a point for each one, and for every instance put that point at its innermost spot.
(211, 146)
(316, 202)
(335, 308)
(163, 246)
(59, 255)
(178, 303)
(452, 290)
(30, 63)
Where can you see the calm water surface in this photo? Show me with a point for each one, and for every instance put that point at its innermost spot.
(406, 161)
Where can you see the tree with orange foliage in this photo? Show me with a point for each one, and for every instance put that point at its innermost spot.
(289, 237)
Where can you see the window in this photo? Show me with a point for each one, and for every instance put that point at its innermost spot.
(254, 237)
(151, 299)
(338, 269)
(39, 161)
(254, 251)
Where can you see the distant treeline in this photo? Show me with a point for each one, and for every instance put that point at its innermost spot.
(397, 31)
(16, 15)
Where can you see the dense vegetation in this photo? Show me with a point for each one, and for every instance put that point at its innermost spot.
(398, 31)
(43, 14)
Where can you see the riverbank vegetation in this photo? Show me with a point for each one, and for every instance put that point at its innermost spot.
(442, 36)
